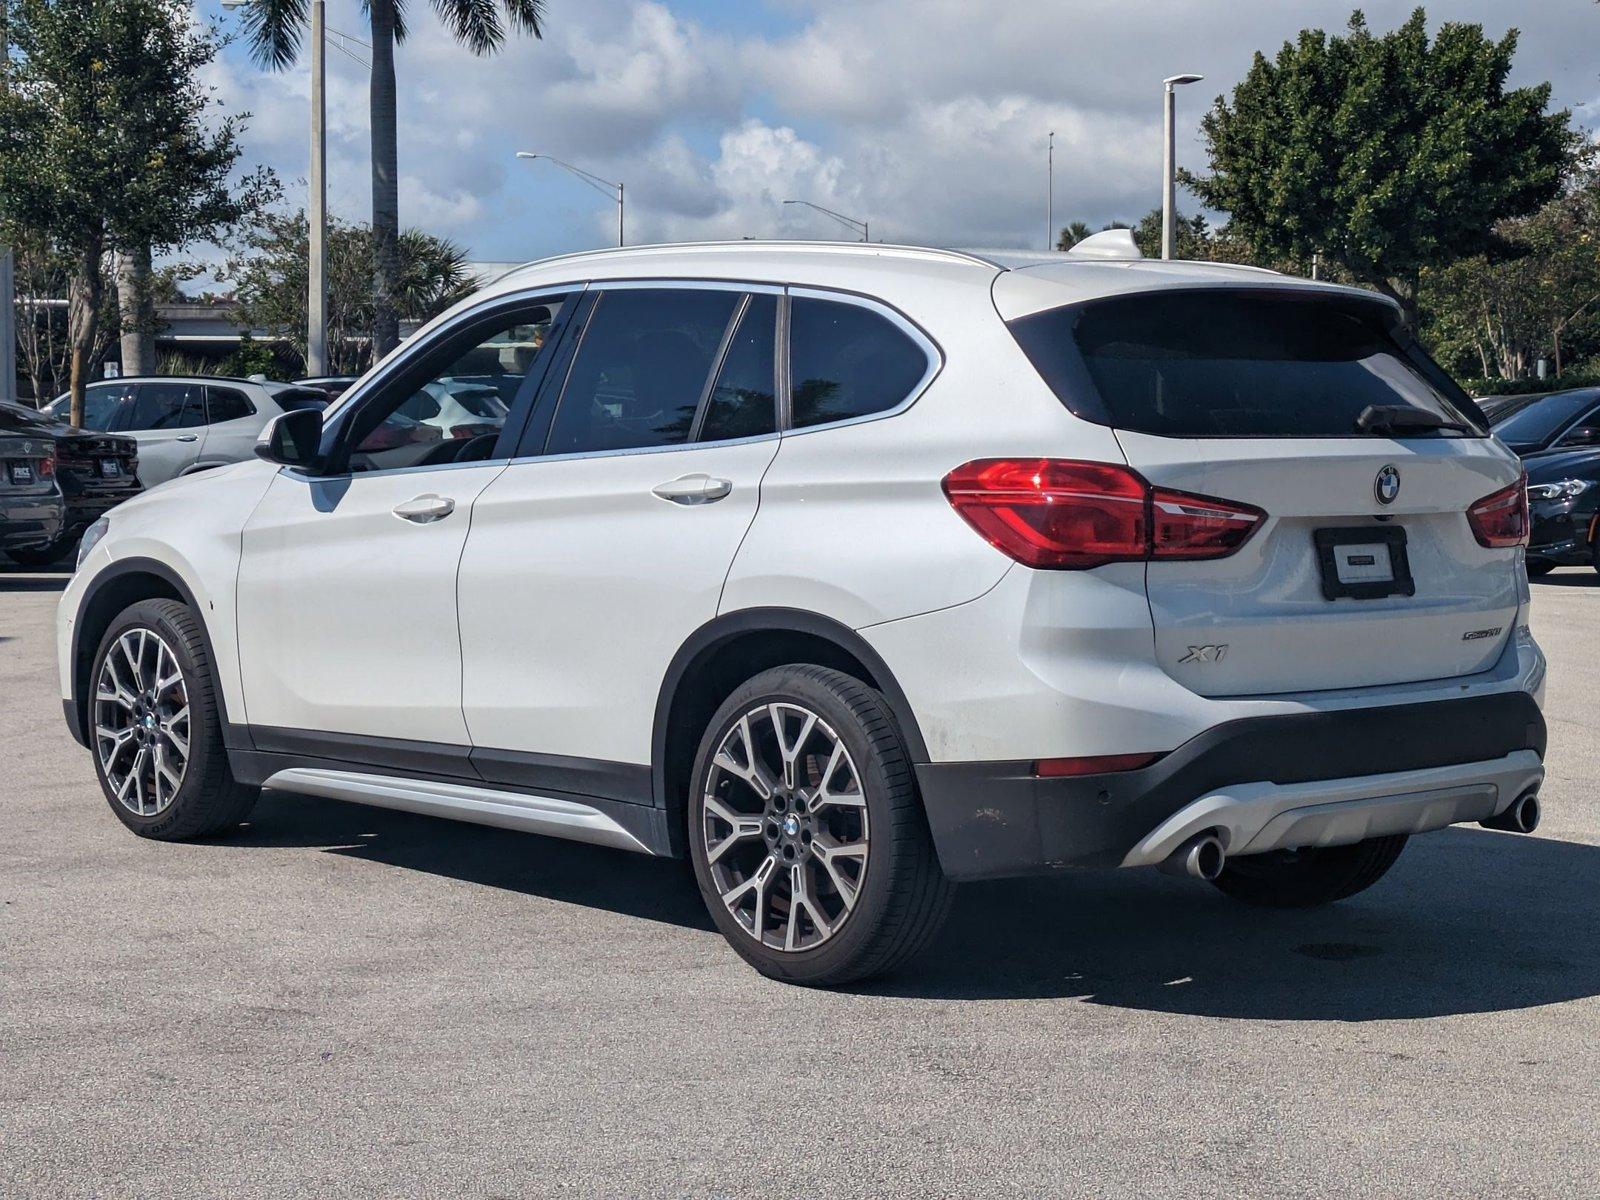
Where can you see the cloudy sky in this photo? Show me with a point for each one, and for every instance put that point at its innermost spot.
(925, 117)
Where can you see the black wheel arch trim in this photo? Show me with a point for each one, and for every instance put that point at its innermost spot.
(728, 626)
(234, 736)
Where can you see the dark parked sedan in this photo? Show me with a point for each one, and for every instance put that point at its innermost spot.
(1564, 503)
(32, 510)
(1557, 421)
(82, 473)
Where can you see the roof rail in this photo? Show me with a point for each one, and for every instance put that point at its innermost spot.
(826, 247)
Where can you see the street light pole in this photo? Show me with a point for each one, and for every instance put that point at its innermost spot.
(317, 267)
(850, 222)
(8, 274)
(1050, 196)
(1169, 169)
(614, 190)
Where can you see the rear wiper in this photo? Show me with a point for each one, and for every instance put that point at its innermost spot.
(1402, 418)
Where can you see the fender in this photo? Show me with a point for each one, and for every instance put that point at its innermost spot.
(233, 736)
(728, 626)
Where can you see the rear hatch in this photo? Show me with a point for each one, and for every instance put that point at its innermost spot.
(1365, 568)
(99, 463)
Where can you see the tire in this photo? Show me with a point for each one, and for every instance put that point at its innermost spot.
(1309, 878)
(1537, 568)
(879, 889)
(43, 556)
(206, 799)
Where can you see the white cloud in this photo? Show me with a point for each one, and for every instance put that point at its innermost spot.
(926, 117)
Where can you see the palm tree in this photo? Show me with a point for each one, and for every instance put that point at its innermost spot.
(275, 29)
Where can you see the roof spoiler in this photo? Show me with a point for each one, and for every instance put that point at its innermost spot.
(1107, 244)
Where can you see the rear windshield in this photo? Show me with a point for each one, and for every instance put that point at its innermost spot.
(1544, 418)
(1212, 364)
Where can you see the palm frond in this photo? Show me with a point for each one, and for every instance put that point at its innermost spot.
(475, 22)
(399, 7)
(274, 29)
(526, 15)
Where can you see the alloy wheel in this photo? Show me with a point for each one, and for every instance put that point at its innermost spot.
(141, 722)
(784, 827)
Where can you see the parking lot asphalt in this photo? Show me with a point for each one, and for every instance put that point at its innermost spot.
(341, 1001)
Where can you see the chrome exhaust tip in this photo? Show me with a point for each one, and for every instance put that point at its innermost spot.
(1201, 857)
(1521, 817)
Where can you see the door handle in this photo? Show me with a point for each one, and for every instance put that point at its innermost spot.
(425, 509)
(693, 489)
(189, 437)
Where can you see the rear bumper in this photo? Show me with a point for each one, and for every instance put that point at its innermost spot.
(1397, 768)
(27, 521)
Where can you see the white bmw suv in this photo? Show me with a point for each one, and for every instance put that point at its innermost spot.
(849, 572)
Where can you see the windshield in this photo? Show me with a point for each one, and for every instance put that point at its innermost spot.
(1541, 421)
(1220, 364)
(15, 417)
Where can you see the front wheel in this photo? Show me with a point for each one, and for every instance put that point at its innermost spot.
(155, 723)
(807, 836)
(1310, 877)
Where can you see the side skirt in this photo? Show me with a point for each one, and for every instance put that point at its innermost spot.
(563, 818)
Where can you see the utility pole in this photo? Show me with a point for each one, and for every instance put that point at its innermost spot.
(1050, 196)
(317, 177)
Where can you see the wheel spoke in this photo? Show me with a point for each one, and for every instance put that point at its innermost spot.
(830, 854)
(800, 897)
(789, 751)
(180, 743)
(750, 770)
(826, 795)
(745, 825)
(757, 883)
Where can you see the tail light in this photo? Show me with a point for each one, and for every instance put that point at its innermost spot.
(1500, 520)
(1099, 764)
(47, 467)
(1056, 514)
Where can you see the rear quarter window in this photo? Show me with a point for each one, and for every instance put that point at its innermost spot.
(1215, 364)
(847, 361)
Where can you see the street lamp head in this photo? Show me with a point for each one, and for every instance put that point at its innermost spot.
(1172, 81)
(520, 153)
(231, 4)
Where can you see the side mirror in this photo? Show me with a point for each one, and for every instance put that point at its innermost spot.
(293, 439)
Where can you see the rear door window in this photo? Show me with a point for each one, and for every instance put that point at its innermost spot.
(228, 404)
(1210, 364)
(848, 361)
(744, 401)
(167, 406)
(641, 369)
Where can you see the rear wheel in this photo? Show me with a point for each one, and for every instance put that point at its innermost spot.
(155, 723)
(808, 839)
(1310, 877)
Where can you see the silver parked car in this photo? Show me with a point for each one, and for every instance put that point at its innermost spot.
(185, 424)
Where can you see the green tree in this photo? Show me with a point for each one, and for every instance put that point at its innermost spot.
(107, 142)
(1538, 296)
(269, 271)
(275, 29)
(1385, 154)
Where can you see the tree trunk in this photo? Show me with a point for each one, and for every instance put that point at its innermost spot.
(385, 173)
(83, 318)
(138, 312)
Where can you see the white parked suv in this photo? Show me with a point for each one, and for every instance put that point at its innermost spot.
(184, 423)
(848, 572)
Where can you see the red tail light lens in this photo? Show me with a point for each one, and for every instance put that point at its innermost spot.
(1500, 520)
(47, 467)
(1056, 514)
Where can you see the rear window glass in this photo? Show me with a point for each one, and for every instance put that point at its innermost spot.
(1189, 364)
(1541, 420)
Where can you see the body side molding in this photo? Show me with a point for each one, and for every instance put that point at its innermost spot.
(567, 819)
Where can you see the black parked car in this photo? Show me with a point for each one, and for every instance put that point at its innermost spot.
(32, 511)
(74, 473)
(1559, 421)
(1564, 504)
